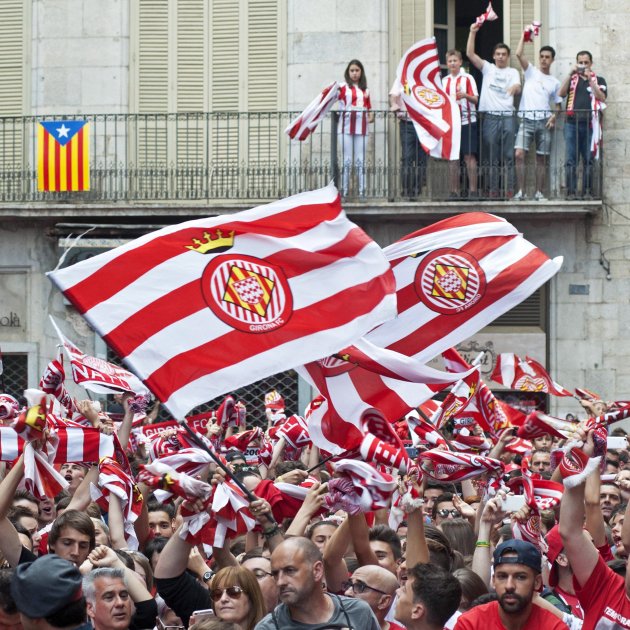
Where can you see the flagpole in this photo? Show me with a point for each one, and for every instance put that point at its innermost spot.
(201, 444)
(324, 461)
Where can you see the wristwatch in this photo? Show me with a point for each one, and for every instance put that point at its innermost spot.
(207, 576)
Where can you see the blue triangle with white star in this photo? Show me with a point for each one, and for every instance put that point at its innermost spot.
(62, 130)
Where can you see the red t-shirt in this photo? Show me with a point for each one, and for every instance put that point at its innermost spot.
(604, 600)
(486, 617)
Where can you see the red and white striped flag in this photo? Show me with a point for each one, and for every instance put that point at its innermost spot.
(363, 378)
(207, 306)
(303, 126)
(434, 113)
(455, 277)
(96, 374)
(525, 375)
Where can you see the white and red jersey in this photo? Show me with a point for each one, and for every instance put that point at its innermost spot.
(354, 105)
(463, 82)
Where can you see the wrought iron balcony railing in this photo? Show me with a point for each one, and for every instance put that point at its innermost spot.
(247, 156)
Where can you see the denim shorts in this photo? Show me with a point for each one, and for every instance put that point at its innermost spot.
(529, 130)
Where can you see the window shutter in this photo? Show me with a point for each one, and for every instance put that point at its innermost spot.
(521, 15)
(12, 61)
(412, 23)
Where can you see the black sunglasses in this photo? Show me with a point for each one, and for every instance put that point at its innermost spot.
(359, 587)
(233, 592)
(444, 512)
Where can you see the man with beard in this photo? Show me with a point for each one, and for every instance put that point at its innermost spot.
(298, 569)
(517, 566)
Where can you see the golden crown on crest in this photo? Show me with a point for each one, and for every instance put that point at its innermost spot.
(212, 242)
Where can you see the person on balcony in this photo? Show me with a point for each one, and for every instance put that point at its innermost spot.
(586, 95)
(496, 103)
(413, 159)
(537, 119)
(462, 87)
(355, 106)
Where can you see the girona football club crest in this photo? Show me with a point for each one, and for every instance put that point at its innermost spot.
(449, 281)
(247, 293)
(428, 97)
(529, 383)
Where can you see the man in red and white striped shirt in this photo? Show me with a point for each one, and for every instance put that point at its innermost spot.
(462, 87)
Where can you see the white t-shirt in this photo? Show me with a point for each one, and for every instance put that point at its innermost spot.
(494, 98)
(538, 91)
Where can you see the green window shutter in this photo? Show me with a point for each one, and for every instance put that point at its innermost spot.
(521, 15)
(12, 57)
(413, 24)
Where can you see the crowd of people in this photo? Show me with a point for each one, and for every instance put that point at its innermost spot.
(495, 137)
(540, 544)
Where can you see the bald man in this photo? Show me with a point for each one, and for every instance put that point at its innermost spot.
(377, 587)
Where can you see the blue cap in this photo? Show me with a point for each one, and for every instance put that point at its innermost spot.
(518, 552)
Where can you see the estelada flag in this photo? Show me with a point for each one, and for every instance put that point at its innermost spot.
(63, 155)
(202, 308)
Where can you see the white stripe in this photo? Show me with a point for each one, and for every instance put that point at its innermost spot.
(507, 368)
(8, 444)
(74, 445)
(280, 358)
(68, 277)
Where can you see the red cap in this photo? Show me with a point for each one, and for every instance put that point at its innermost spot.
(555, 549)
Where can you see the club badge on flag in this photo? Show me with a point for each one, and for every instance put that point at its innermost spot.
(202, 308)
(435, 115)
(63, 148)
(96, 374)
(525, 375)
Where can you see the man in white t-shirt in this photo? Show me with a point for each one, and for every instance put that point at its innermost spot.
(537, 119)
(501, 84)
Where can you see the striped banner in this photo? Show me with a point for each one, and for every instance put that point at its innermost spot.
(63, 155)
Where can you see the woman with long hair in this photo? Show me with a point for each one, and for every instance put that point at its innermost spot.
(355, 107)
(236, 597)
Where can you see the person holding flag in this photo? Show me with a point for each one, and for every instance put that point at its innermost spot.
(496, 105)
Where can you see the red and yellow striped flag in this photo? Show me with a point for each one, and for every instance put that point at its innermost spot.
(63, 155)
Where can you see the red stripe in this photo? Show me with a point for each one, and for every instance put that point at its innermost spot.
(412, 56)
(45, 158)
(505, 282)
(68, 181)
(115, 275)
(81, 174)
(235, 346)
(188, 299)
(57, 166)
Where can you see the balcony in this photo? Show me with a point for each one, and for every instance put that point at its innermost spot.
(232, 160)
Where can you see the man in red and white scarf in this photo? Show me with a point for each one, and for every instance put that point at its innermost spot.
(586, 99)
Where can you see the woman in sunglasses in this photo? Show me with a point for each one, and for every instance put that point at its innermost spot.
(236, 597)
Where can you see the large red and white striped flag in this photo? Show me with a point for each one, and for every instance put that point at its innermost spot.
(207, 306)
(434, 113)
(455, 277)
(303, 126)
(96, 374)
(525, 375)
(364, 378)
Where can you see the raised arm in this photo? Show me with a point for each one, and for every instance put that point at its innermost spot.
(474, 58)
(578, 547)
(335, 568)
(10, 544)
(520, 54)
(595, 524)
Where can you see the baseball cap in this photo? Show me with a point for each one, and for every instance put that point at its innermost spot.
(45, 586)
(554, 542)
(518, 552)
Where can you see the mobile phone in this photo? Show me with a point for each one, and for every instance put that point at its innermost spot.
(513, 502)
(616, 441)
(198, 615)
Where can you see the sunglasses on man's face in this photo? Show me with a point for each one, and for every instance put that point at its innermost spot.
(445, 512)
(233, 592)
(359, 587)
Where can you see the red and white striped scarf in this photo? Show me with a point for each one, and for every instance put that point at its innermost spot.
(531, 31)
(359, 487)
(112, 479)
(488, 15)
(448, 466)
